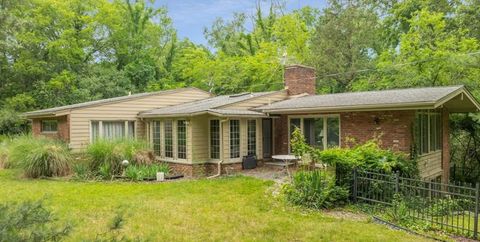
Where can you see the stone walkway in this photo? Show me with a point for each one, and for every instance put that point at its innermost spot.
(277, 174)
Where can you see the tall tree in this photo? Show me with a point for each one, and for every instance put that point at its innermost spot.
(346, 41)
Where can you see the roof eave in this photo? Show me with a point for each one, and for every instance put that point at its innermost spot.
(173, 115)
(238, 115)
(410, 106)
(461, 90)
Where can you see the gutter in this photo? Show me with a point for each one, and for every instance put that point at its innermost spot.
(221, 150)
(428, 105)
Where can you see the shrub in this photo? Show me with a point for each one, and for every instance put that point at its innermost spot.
(40, 157)
(109, 154)
(30, 221)
(368, 156)
(314, 189)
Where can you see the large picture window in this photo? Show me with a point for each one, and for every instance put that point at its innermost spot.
(112, 130)
(252, 137)
(321, 132)
(215, 139)
(49, 126)
(182, 139)
(428, 132)
(234, 138)
(156, 137)
(168, 132)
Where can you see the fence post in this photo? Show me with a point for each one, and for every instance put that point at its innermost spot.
(397, 182)
(475, 221)
(354, 185)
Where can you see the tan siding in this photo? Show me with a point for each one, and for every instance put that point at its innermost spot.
(260, 101)
(200, 138)
(430, 165)
(127, 110)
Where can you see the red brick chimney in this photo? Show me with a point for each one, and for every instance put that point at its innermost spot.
(300, 79)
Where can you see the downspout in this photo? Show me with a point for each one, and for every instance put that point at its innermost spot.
(219, 167)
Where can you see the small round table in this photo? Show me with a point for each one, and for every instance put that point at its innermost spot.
(286, 159)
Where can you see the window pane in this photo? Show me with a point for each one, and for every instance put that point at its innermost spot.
(113, 130)
(333, 132)
(49, 126)
(156, 137)
(95, 130)
(131, 129)
(234, 138)
(214, 139)
(182, 139)
(168, 138)
(439, 131)
(252, 137)
(313, 132)
(424, 133)
(433, 132)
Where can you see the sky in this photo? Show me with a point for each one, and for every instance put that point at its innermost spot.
(190, 17)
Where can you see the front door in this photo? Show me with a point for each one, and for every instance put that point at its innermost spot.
(267, 138)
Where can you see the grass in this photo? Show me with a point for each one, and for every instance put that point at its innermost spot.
(233, 209)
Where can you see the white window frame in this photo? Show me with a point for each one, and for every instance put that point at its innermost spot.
(256, 136)
(100, 128)
(325, 128)
(430, 113)
(239, 139)
(219, 139)
(186, 139)
(165, 139)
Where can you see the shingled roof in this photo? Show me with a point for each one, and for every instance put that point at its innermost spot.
(428, 97)
(51, 111)
(211, 105)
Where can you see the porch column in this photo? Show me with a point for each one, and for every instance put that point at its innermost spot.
(445, 146)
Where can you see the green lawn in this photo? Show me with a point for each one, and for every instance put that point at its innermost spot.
(232, 209)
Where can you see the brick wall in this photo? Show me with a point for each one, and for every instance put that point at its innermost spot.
(63, 131)
(300, 79)
(280, 142)
(203, 170)
(392, 128)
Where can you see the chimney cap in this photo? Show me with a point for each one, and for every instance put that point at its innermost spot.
(298, 65)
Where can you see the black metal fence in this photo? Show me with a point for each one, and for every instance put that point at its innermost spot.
(452, 208)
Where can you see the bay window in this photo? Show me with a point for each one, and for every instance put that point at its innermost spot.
(321, 132)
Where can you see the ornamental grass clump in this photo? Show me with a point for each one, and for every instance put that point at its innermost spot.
(315, 189)
(105, 156)
(40, 157)
(4, 154)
